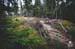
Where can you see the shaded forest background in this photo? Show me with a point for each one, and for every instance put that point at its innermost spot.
(46, 8)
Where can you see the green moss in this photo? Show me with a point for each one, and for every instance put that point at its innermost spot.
(17, 22)
(23, 40)
(29, 41)
(37, 40)
(26, 32)
(66, 22)
(21, 35)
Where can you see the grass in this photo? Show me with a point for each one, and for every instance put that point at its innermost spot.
(21, 32)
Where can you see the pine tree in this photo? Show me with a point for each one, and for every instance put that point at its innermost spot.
(37, 8)
(27, 7)
(48, 8)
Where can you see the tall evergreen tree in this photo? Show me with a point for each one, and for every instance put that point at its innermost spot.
(27, 7)
(49, 6)
(37, 8)
(15, 7)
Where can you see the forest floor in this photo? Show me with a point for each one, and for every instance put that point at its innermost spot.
(54, 29)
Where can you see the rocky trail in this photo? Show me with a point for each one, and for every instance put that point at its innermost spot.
(47, 31)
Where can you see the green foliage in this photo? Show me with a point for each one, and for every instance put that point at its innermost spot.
(25, 32)
(17, 22)
(36, 40)
(23, 40)
(66, 22)
(29, 41)
(69, 26)
(22, 35)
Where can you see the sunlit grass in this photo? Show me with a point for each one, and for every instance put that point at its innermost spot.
(21, 32)
(66, 22)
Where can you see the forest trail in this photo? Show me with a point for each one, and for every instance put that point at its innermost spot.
(46, 29)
